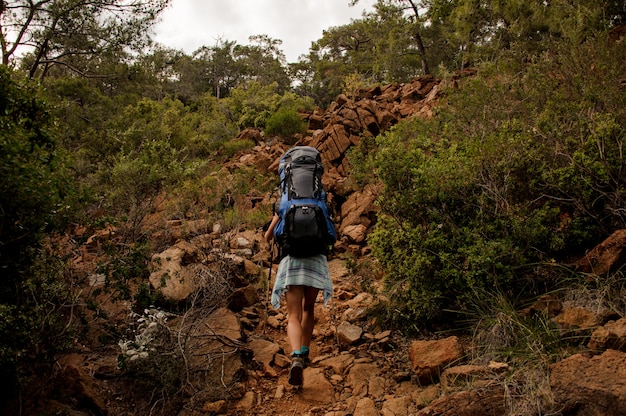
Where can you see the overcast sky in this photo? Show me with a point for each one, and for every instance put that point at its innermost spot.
(189, 24)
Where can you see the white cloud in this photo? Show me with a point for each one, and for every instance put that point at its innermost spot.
(190, 24)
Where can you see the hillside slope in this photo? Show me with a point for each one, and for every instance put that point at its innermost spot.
(215, 346)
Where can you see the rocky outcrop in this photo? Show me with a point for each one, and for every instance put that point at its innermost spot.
(333, 132)
(370, 112)
(177, 271)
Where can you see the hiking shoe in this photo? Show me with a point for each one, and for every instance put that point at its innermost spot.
(295, 372)
(306, 361)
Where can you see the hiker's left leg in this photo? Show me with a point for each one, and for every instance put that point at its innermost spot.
(294, 297)
(308, 315)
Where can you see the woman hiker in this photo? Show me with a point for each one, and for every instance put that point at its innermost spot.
(300, 280)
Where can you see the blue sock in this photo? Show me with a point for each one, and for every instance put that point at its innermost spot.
(296, 352)
(304, 349)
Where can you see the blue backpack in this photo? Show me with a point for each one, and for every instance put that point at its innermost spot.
(305, 228)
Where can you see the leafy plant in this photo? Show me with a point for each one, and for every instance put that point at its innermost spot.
(34, 183)
(233, 146)
(285, 123)
(517, 169)
(252, 104)
(124, 266)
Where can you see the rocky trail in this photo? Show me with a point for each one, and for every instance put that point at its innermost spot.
(225, 351)
(357, 368)
(238, 349)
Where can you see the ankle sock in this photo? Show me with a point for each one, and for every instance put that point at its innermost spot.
(296, 353)
(304, 350)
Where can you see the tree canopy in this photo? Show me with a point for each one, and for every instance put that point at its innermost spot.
(71, 32)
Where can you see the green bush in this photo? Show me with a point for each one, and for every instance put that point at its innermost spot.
(32, 198)
(285, 123)
(231, 147)
(522, 167)
(137, 177)
(252, 104)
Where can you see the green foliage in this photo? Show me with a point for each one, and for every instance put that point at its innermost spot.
(78, 34)
(381, 47)
(524, 165)
(210, 127)
(32, 183)
(285, 123)
(264, 62)
(32, 190)
(231, 147)
(251, 104)
(123, 268)
(481, 31)
(138, 176)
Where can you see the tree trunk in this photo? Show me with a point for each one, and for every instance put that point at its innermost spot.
(418, 39)
(422, 52)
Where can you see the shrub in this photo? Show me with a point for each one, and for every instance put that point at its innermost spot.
(32, 191)
(251, 104)
(285, 123)
(137, 177)
(518, 170)
(233, 146)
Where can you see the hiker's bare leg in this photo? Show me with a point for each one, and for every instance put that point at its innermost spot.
(294, 297)
(308, 315)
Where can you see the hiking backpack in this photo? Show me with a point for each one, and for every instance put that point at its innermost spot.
(305, 228)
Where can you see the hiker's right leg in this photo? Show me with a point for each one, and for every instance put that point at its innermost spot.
(294, 297)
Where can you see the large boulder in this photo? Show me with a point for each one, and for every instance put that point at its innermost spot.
(590, 386)
(358, 211)
(176, 271)
(429, 358)
(606, 257)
